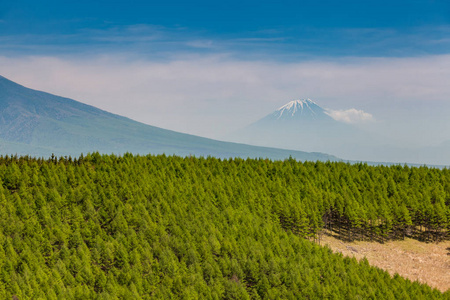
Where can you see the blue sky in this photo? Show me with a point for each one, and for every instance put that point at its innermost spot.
(224, 16)
(283, 29)
(209, 67)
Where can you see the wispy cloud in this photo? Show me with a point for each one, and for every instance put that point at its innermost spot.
(128, 34)
(351, 116)
(136, 38)
(289, 44)
(260, 39)
(204, 44)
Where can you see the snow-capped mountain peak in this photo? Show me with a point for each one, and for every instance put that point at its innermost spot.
(301, 108)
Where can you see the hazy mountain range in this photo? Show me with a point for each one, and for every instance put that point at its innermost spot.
(39, 124)
(303, 124)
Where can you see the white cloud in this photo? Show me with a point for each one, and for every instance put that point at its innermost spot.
(351, 116)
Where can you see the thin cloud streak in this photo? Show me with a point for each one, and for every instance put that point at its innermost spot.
(351, 116)
(291, 44)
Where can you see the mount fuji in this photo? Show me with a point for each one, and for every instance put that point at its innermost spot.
(304, 110)
(303, 124)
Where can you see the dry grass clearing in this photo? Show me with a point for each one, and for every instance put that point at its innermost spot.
(426, 262)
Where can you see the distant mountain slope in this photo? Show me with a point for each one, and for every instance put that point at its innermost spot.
(39, 124)
(303, 124)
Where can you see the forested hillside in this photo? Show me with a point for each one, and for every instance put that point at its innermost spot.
(141, 227)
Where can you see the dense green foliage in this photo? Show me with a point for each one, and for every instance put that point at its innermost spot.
(131, 227)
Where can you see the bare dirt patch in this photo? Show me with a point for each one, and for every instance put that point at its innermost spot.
(426, 262)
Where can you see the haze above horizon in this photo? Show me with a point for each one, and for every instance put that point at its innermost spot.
(209, 68)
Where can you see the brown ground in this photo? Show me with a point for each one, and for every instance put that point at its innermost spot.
(426, 262)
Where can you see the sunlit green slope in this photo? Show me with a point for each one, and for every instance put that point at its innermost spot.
(104, 227)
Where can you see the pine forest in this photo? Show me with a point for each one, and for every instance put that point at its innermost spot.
(169, 227)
